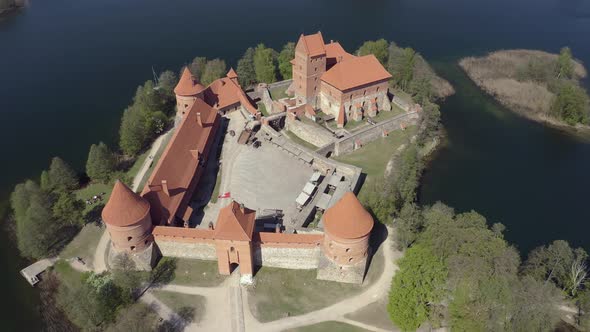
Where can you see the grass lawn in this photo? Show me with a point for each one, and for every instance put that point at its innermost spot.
(296, 139)
(279, 293)
(137, 164)
(189, 307)
(373, 157)
(66, 273)
(328, 326)
(278, 92)
(374, 314)
(84, 244)
(91, 190)
(194, 272)
(262, 108)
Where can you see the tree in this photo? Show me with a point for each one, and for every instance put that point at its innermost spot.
(137, 318)
(535, 306)
(565, 66)
(584, 307)
(101, 162)
(408, 225)
(167, 83)
(559, 263)
(401, 65)
(287, 54)
(429, 123)
(380, 198)
(377, 48)
(264, 64)
(92, 302)
(68, 209)
(197, 67)
(36, 231)
(571, 104)
(61, 176)
(415, 287)
(133, 134)
(214, 69)
(246, 70)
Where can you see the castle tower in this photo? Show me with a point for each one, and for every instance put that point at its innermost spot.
(308, 66)
(127, 218)
(347, 227)
(233, 239)
(232, 75)
(187, 90)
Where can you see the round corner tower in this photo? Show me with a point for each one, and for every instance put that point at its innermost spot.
(127, 219)
(347, 227)
(187, 91)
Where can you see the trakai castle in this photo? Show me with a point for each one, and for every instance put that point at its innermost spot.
(156, 222)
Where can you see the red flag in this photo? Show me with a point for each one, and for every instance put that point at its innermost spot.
(225, 195)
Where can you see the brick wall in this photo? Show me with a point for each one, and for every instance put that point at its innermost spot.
(174, 248)
(287, 257)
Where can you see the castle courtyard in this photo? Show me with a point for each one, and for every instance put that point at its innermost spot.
(267, 178)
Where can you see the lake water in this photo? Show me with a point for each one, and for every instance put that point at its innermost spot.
(68, 69)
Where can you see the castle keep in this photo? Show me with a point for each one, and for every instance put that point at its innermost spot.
(156, 222)
(328, 78)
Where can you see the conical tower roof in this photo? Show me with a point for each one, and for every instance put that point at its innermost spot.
(232, 73)
(124, 207)
(348, 219)
(188, 85)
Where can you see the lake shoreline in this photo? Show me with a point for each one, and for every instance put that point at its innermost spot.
(496, 75)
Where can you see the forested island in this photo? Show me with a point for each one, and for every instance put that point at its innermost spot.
(457, 269)
(541, 86)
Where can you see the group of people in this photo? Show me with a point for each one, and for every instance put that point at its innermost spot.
(95, 199)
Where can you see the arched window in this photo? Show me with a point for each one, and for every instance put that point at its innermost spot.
(377, 89)
(365, 93)
(347, 249)
(350, 259)
(232, 249)
(129, 238)
(132, 247)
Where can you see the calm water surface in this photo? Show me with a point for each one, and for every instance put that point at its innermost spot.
(68, 69)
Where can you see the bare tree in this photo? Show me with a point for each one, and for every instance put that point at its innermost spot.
(578, 274)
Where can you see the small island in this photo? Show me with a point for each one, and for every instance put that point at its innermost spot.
(541, 86)
(7, 6)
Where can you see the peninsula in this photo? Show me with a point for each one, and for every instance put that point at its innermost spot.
(541, 86)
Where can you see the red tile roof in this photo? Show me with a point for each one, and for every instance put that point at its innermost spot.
(313, 44)
(335, 50)
(188, 85)
(235, 223)
(348, 219)
(124, 207)
(179, 163)
(224, 92)
(355, 72)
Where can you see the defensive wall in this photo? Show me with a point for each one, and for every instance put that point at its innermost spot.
(311, 133)
(281, 250)
(352, 142)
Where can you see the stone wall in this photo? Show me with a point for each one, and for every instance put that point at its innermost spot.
(178, 249)
(347, 144)
(287, 258)
(311, 133)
